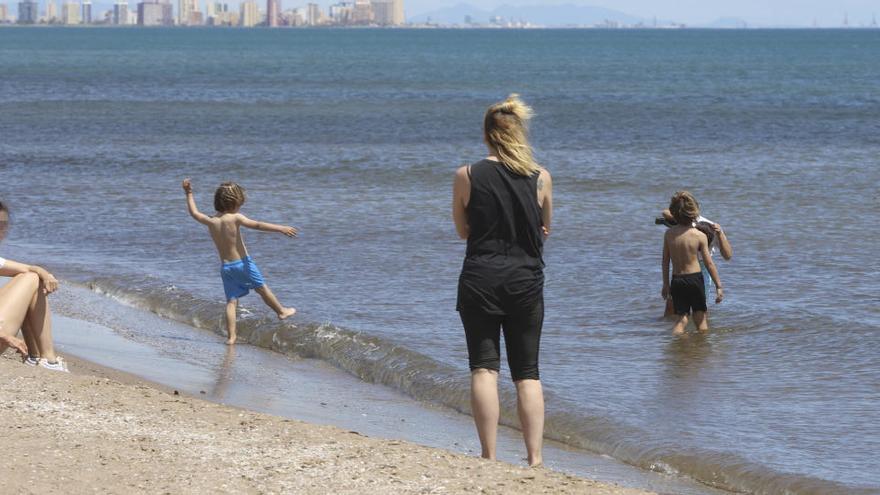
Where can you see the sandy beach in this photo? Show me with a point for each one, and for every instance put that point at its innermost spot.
(100, 431)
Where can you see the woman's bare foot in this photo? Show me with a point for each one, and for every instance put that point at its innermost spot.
(9, 341)
(231, 340)
(287, 313)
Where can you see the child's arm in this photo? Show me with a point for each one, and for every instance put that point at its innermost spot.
(666, 260)
(191, 204)
(266, 227)
(710, 265)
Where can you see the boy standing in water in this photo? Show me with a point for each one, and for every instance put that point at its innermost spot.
(239, 272)
(682, 245)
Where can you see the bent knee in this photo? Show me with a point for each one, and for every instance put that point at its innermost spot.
(28, 278)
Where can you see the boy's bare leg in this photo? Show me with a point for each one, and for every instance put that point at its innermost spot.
(680, 325)
(269, 298)
(231, 307)
(530, 406)
(486, 408)
(701, 321)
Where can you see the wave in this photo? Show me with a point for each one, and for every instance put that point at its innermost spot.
(377, 360)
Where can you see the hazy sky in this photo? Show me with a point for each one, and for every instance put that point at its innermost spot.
(779, 12)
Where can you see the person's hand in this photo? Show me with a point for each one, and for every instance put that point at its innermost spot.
(187, 186)
(717, 228)
(546, 231)
(8, 341)
(289, 231)
(719, 295)
(665, 292)
(48, 282)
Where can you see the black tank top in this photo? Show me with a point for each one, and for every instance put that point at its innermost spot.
(503, 267)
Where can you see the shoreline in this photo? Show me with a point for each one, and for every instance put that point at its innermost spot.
(100, 427)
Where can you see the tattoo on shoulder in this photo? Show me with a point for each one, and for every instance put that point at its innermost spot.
(540, 183)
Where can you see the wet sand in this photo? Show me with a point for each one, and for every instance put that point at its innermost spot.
(103, 431)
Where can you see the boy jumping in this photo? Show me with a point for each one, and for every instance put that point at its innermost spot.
(681, 245)
(238, 271)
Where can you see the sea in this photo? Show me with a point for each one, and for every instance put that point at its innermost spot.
(353, 136)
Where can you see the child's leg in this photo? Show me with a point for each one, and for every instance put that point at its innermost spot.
(680, 325)
(701, 321)
(231, 307)
(272, 301)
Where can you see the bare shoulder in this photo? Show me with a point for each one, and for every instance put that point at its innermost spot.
(462, 172)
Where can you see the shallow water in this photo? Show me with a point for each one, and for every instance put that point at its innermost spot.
(353, 136)
(194, 362)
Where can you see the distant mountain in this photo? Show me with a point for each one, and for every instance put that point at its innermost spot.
(726, 23)
(546, 15)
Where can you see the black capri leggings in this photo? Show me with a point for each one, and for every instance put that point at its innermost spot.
(522, 339)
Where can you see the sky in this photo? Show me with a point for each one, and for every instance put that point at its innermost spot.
(829, 13)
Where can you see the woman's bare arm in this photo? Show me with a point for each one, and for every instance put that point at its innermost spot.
(48, 281)
(461, 192)
(545, 199)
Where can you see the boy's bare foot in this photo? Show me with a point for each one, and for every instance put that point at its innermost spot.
(230, 341)
(287, 313)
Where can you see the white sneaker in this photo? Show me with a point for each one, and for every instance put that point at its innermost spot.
(58, 365)
(32, 361)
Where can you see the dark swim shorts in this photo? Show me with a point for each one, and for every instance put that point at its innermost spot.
(688, 293)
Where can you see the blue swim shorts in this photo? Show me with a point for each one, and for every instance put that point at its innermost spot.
(239, 277)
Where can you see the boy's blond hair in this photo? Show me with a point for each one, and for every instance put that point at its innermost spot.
(684, 208)
(229, 197)
(505, 129)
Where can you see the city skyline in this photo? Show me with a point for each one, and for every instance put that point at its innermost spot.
(247, 13)
(513, 13)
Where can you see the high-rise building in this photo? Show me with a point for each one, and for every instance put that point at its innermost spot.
(87, 12)
(70, 13)
(249, 13)
(341, 13)
(120, 13)
(383, 12)
(51, 12)
(313, 14)
(398, 18)
(363, 12)
(4, 13)
(272, 11)
(155, 13)
(185, 10)
(28, 12)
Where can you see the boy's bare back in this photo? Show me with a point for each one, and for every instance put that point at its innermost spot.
(226, 232)
(684, 244)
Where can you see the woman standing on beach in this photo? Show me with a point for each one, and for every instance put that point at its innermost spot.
(24, 305)
(502, 206)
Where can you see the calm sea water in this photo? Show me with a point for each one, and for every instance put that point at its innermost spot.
(353, 136)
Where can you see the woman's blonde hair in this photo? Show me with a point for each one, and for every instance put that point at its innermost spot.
(684, 208)
(505, 130)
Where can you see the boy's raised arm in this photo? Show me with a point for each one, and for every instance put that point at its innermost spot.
(266, 227)
(665, 291)
(713, 272)
(191, 203)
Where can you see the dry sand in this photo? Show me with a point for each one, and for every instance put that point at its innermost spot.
(101, 431)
